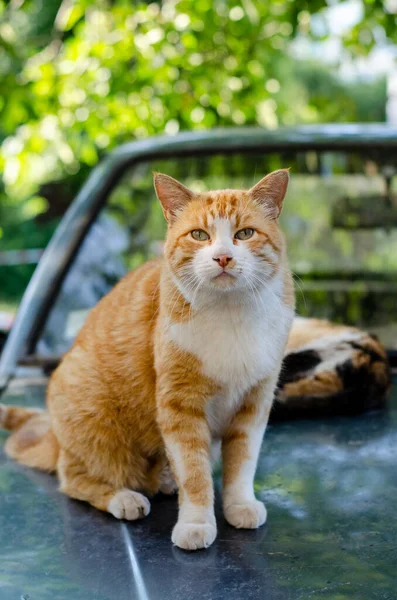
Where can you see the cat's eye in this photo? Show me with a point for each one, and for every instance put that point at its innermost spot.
(244, 234)
(200, 235)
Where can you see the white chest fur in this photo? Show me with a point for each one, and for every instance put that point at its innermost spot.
(238, 344)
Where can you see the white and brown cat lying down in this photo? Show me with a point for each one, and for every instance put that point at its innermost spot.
(183, 358)
(330, 369)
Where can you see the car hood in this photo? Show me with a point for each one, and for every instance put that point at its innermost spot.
(329, 487)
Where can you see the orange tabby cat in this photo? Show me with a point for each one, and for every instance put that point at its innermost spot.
(182, 356)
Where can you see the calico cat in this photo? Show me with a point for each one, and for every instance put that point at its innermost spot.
(330, 369)
(181, 358)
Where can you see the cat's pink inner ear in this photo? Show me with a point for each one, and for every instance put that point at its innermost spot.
(172, 194)
(270, 192)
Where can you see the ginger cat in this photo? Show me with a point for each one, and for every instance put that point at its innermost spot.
(180, 358)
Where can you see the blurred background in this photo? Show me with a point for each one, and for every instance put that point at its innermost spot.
(80, 77)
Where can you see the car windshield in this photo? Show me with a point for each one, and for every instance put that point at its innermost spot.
(342, 258)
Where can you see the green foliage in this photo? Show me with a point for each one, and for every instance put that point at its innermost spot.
(94, 74)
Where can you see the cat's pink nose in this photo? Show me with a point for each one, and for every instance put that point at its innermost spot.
(223, 260)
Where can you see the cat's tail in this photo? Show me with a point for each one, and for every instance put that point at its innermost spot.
(32, 442)
(330, 369)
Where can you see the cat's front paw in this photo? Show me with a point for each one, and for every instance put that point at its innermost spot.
(129, 505)
(246, 515)
(193, 536)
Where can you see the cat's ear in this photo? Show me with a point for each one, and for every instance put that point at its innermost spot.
(173, 195)
(270, 192)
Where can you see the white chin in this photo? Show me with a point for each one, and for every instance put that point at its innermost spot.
(224, 282)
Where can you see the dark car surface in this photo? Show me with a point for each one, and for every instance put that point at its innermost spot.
(329, 485)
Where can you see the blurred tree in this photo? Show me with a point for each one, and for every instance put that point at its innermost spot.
(78, 77)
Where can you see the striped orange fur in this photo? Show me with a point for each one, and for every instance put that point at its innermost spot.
(182, 355)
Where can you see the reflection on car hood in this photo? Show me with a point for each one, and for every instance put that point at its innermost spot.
(330, 489)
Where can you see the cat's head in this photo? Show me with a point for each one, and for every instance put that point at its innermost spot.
(223, 240)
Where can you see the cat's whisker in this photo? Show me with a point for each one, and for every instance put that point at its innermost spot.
(262, 283)
(189, 318)
(177, 294)
(191, 288)
(193, 299)
(296, 278)
(254, 292)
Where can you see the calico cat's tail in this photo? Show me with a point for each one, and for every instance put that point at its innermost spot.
(32, 441)
(330, 369)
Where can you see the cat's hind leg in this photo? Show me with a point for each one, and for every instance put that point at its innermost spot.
(168, 484)
(76, 482)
